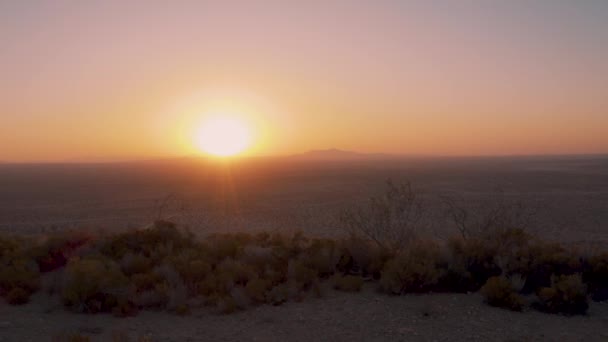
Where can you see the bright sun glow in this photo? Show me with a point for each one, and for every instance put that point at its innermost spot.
(223, 136)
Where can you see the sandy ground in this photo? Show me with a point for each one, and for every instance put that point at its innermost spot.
(366, 316)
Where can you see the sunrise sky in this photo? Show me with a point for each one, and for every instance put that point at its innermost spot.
(115, 80)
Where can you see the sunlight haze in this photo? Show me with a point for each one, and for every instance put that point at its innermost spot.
(114, 80)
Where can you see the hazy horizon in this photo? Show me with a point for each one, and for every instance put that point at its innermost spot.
(109, 81)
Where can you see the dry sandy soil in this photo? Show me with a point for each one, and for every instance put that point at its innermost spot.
(366, 316)
(569, 194)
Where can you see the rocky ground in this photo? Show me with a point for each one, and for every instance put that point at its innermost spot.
(365, 316)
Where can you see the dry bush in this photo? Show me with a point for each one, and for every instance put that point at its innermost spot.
(95, 285)
(278, 295)
(347, 283)
(498, 291)
(18, 272)
(55, 251)
(359, 256)
(472, 261)
(417, 269)
(546, 260)
(497, 212)
(135, 263)
(390, 220)
(303, 276)
(567, 295)
(257, 288)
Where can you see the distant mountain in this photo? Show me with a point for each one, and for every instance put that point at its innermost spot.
(336, 154)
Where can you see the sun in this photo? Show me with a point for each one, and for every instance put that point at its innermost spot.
(223, 136)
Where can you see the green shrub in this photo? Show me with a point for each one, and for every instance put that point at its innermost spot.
(415, 270)
(348, 283)
(499, 292)
(567, 294)
(17, 296)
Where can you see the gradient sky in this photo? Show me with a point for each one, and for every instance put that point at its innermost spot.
(86, 80)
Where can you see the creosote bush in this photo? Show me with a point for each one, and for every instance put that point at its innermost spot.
(567, 295)
(417, 269)
(498, 291)
(166, 268)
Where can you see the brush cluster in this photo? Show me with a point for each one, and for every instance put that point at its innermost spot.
(167, 268)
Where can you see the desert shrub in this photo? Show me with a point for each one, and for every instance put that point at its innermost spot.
(347, 283)
(258, 257)
(19, 273)
(301, 274)
(240, 297)
(257, 288)
(155, 298)
(472, 219)
(360, 256)
(135, 263)
(321, 255)
(11, 246)
(17, 296)
(227, 305)
(231, 272)
(94, 285)
(223, 246)
(596, 275)
(415, 270)
(470, 263)
(209, 286)
(389, 220)
(192, 267)
(546, 260)
(177, 297)
(55, 251)
(156, 242)
(498, 291)
(145, 281)
(278, 295)
(567, 294)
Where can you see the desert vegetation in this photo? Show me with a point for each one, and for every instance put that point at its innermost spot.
(166, 267)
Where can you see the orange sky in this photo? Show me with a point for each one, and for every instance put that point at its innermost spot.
(109, 80)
